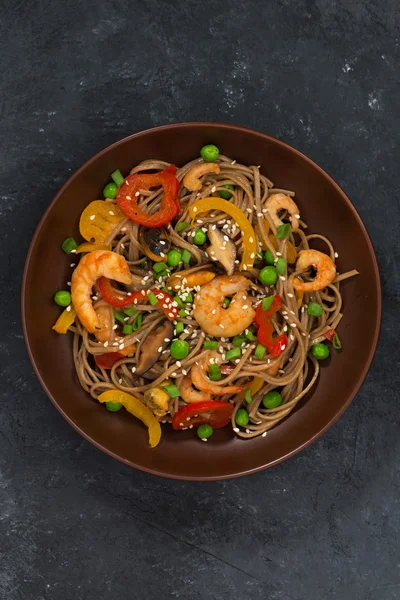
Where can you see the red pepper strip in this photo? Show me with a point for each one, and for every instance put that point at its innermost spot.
(170, 206)
(119, 300)
(214, 413)
(107, 361)
(330, 334)
(275, 346)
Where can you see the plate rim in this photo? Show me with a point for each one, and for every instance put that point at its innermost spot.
(358, 383)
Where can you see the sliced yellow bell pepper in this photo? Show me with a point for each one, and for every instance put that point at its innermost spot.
(248, 234)
(299, 298)
(88, 247)
(138, 410)
(291, 253)
(66, 319)
(98, 219)
(254, 387)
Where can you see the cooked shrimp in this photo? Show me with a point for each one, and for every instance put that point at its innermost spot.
(324, 265)
(105, 316)
(277, 202)
(201, 381)
(210, 314)
(99, 263)
(190, 395)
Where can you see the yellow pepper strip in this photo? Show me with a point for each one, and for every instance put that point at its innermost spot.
(88, 247)
(138, 410)
(299, 298)
(98, 219)
(248, 234)
(254, 387)
(66, 319)
(291, 253)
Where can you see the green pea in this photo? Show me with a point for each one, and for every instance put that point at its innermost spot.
(62, 298)
(110, 191)
(205, 431)
(174, 257)
(268, 275)
(269, 257)
(209, 153)
(272, 399)
(113, 406)
(226, 195)
(179, 349)
(320, 351)
(242, 417)
(314, 309)
(200, 237)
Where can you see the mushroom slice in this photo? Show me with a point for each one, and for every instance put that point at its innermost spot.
(222, 249)
(155, 243)
(155, 344)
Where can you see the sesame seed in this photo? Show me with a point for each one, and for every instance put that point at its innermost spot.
(178, 363)
(336, 255)
(247, 430)
(282, 277)
(281, 371)
(121, 346)
(251, 240)
(137, 194)
(244, 267)
(213, 188)
(68, 283)
(110, 212)
(233, 162)
(297, 216)
(252, 255)
(160, 349)
(245, 306)
(236, 429)
(72, 264)
(248, 209)
(167, 340)
(278, 254)
(120, 381)
(73, 251)
(289, 295)
(68, 308)
(264, 434)
(184, 372)
(293, 325)
(115, 326)
(126, 319)
(222, 326)
(259, 214)
(194, 209)
(204, 439)
(213, 311)
(92, 217)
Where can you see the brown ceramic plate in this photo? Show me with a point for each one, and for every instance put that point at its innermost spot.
(325, 208)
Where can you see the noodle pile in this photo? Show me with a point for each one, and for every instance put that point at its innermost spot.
(298, 370)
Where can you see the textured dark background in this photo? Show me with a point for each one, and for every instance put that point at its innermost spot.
(76, 76)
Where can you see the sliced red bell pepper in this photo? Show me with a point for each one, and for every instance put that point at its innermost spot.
(128, 200)
(275, 346)
(119, 299)
(210, 412)
(330, 334)
(108, 360)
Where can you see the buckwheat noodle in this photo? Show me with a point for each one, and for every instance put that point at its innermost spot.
(298, 370)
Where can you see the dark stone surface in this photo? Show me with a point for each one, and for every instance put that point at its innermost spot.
(77, 76)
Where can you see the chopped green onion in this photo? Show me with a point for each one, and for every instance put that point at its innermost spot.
(281, 266)
(120, 316)
(250, 335)
(337, 344)
(186, 256)
(181, 226)
(260, 352)
(137, 323)
(183, 313)
(210, 345)
(131, 312)
(267, 302)
(314, 309)
(188, 299)
(179, 301)
(179, 327)
(226, 303)
(152, 298)
(232, 354)
(127, 329)
(248, 397)
(165, 290)
(214, 372)
(159, 267)
(117, 177)
(172, 391)
(269, 257)
(68, 245)
(238, 340)
(283, 231)
(143, 264)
